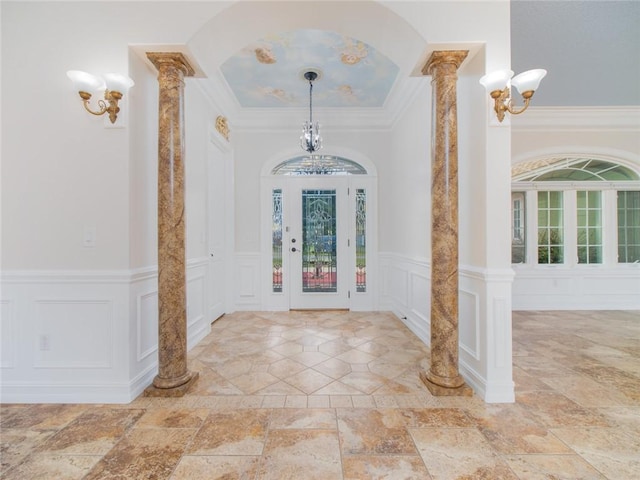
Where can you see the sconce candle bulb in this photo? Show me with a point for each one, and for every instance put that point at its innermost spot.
(115, 85)
(497, 85)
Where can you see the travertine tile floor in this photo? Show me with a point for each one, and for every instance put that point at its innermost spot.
(336, 395)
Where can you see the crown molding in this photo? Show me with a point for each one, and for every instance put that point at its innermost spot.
(624, 118)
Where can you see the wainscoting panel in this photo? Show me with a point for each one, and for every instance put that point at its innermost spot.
(87, 336)
(72, 344)
(8, 330)
(578, 288)
(146, 324)
(247, 281)
(469, 322)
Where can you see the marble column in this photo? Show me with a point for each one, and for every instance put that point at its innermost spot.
(443, 377)
(173, 378)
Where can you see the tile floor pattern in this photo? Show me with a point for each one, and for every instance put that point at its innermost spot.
(336, 395)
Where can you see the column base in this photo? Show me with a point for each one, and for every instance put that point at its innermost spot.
(179, 391)
(463, 390)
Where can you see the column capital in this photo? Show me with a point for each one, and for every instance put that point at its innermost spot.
(444, 57)
(171, 59)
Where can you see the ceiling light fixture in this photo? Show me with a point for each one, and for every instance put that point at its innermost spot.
(310, 140)
(497, 85)
(115, 85)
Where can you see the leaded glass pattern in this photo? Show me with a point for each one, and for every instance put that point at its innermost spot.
(361, 240)
(319, 165)
(589, 215)
(550, 228)
(276, 242)
(319, 260)
(628, 226)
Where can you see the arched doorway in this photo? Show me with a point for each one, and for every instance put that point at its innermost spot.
(318, 234)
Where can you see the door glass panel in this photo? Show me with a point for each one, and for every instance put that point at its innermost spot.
(361, 232)
(276, 240)
(319, 262)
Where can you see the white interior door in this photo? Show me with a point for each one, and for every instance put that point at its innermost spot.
(318, 245)
(217, 234)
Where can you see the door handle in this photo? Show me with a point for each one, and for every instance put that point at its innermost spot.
(293, 249)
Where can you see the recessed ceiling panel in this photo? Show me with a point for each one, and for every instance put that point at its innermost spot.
(269, 72)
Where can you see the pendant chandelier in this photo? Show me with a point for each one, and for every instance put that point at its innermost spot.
(310, 140)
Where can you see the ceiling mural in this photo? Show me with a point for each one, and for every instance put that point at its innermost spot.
(269, 72)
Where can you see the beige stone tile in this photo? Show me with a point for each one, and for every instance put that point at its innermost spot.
(450, 453)
(288, 348)
(16, 444)
(364, 382)
(309, 380)
(355, 356)
(41, 417)
(333, 367)
(304, 418)
(338, 388)
(49, 466)
(625, 418)
(363, 401)
(171, 418)
(587, 392)
(144, 453)
(436, 417)
(511, 430)
(310, 358)
(396, 467)
(341, 401)
(273, 401)
(232, 432)
(216, 467)
(556, 467)
(554, 409)
(279, 389)
(612, 451)
(318, 401)
(94, 432)
(285, 368)
(296, 401)
(385, 401)
(298, 454)
(373, 432)
(254, 382)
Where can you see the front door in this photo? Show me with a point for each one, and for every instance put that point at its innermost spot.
(318, 245)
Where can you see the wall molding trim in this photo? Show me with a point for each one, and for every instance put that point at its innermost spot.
(572, 119)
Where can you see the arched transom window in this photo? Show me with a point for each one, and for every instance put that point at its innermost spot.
(319, 165)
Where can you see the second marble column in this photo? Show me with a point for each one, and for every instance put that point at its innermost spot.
(443, 377)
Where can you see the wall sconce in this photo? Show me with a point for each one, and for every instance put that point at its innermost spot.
(497, 85)
(114, 85)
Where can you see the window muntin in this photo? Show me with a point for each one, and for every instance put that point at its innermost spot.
(628, 226)
(518, 228)
(589, 234)
(550, 228)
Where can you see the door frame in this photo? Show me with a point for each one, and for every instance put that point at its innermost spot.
(357, 301)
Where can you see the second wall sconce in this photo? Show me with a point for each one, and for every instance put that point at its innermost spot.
(497, 85)
(115, 85)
